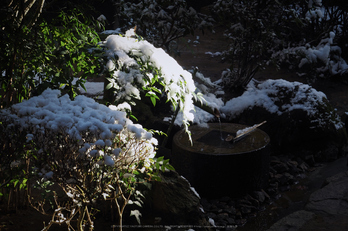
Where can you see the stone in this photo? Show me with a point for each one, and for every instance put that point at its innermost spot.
(304, 166)
(333, 198)
(221, 205)
(206, 205)
(221, 222)
(284, 188)
(260, 196)
(266, 194)
(223, 215)
(230, 221)
(290, 178)
(244, 202)
(280, 167)
(292, 163)
(212, 215)
(253, 201)
(293, 221)
(247, 209)
(174, 200)
(232, 210)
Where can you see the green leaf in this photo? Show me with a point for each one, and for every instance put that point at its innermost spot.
(159, 159)
(170, 167)
(153, 100)
(133, 117)
(109, 86)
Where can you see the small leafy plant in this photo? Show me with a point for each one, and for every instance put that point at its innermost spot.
(46, 55)
(91, 152)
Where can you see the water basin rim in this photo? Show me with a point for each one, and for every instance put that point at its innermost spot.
(229, 154)
(218, 151)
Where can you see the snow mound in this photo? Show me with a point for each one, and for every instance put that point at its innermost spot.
(88, 125)
(278, 97)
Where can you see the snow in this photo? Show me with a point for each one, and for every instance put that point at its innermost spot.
(200, 116)
(178, 83)
(101, 18)
(212, 222)
(82, 119)
(109, 161)
(48, 175)
(192, 188)
(269, 93)
(213, 54)
(195, 192)
(265, 94)
(324, 57)
(117, 31)
(241, 131)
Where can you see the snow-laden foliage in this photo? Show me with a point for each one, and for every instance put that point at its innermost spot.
(135, 66)
(320, 60)
(211, 93)
(161, 22)
(91, 151)
(281, 96)
(262, 32)
(90, 127)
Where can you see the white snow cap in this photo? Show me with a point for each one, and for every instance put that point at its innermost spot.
(266, 94)
(75, 117)
(178, 82)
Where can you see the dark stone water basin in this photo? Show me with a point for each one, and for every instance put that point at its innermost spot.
(218, 168)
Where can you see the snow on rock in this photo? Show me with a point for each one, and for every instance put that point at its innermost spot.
(278, 96)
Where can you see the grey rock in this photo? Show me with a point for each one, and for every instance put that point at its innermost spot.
(223, 215)
(260, 196)
(292, 222)
(231, 221)
(175, 201)
(231, 210)
(281, 168)
(332, 198)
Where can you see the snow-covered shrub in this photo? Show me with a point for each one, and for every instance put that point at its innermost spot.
(317, 53)
(291, 33)
(322, 60)
(91, 151)
(281, 96)
(300, 119)
(136, 68)
(161, 22)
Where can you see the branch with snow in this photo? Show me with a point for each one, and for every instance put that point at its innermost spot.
(324, 58)
(137, 66)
